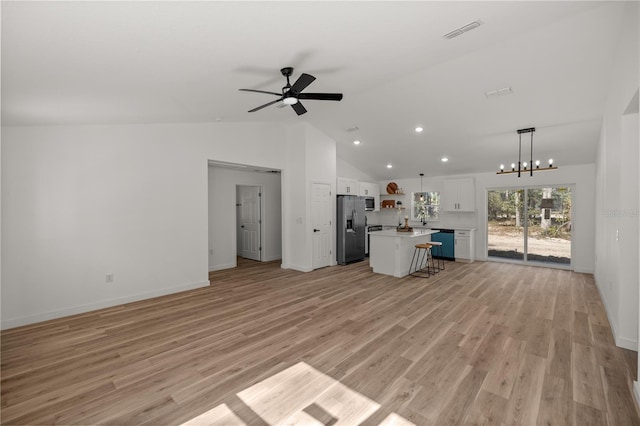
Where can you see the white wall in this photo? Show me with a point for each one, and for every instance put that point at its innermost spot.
(315, 159)
(346, 170)
(222, 215)
(79, 202)
(294, 214)
(616, 270)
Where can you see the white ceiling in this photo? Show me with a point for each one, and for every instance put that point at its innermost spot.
(149, 62)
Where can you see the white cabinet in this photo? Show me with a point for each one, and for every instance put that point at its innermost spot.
(368, 189)
(464, 245)
(347, 186)
(459, 195)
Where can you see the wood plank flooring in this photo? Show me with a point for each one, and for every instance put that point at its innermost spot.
(483, 343)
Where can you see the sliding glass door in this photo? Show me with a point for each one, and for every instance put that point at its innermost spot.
(531, 225)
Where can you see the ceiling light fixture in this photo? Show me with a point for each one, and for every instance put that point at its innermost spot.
(356, 142)
(290, 100)
(419, 129)
(389, 166)
(421, 192)
(522, 167)
(444, 159)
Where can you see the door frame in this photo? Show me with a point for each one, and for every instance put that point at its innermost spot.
(525, 261)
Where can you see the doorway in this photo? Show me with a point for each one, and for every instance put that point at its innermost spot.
(530, 225)
(249, 221)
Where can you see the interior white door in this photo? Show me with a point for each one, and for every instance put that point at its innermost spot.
(321, 222)
(250, 221)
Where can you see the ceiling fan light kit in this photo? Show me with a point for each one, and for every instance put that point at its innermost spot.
(524, 166)
(291, 94)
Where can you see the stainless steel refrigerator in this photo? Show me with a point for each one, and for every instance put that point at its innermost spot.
(351, 229)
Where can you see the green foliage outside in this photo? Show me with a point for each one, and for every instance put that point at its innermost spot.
(506, 210)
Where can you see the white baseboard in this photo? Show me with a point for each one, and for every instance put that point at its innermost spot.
(31, 319)
(636, 393)
(625, 343)
(296, 267)
(271, 258)
(622, 342)
(221, 267)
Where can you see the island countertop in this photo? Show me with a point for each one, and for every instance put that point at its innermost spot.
(394, 233)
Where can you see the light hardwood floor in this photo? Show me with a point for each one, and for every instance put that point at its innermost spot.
(482, 343)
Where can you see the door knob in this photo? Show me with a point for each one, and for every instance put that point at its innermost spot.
(241, 226)
(316, 230)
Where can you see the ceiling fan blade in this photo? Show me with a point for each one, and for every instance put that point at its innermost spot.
(260, 91)
(265, 105)
(298, 108)
(303, 81)
(321, 96)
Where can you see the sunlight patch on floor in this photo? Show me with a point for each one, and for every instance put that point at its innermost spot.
(300, 395)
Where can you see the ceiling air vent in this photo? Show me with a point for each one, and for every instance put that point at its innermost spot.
(499, 92)
(352, 129)
(457, 32)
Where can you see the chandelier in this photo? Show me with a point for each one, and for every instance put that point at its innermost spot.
(524, 167)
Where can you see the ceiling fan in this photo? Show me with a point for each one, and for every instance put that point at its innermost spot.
(291, 94)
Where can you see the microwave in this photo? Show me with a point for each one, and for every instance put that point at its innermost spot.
(369, 203)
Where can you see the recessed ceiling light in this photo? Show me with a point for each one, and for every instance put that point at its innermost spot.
(389, 166)
(419, 129)
(356, 142)
(444, 159)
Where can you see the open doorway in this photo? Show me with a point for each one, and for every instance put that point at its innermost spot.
(261, 238)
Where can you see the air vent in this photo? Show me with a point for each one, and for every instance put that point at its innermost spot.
(471, 26)
(458, 32)
(453, 34)
(352, 129)
(499, 92)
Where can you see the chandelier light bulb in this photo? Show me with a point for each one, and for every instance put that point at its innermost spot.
(513, 166)
(537, 164)
(525, 164)
(502, 167)
(550, 162)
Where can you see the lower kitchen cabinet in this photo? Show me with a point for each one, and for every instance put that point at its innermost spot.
(464, 246)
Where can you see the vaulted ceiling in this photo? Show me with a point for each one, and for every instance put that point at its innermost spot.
(151, 62)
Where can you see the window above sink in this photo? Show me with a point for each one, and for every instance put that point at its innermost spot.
(425, 206)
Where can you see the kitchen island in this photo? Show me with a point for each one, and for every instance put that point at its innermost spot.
(391, 251)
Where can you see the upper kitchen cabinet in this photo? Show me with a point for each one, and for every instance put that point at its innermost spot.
(459, 195)
(346, 186)
(366, 189)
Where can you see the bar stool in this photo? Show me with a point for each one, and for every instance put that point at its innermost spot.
(437, 251)
(423, 258)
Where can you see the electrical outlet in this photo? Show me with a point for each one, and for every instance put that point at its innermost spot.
(109, 277)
